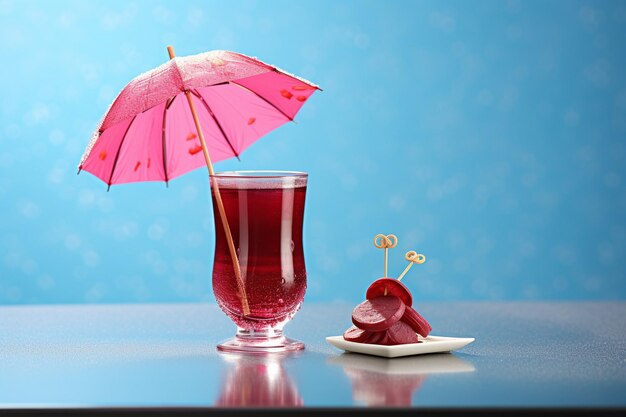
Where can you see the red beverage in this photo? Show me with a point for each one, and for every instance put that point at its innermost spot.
(265, 216)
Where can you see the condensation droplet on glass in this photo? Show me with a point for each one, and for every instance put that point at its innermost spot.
(280, 301)
(283, 280)
(292, 245)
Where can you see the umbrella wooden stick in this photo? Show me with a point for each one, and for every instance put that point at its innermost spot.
(218, 199)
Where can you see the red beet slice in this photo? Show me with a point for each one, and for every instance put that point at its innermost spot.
(378, 314)
(401, 333)
(354, 334)
(416, 321)
(375, 337)
(389, 286)
(386, 340)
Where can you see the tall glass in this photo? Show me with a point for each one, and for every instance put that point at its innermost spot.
(265, 212)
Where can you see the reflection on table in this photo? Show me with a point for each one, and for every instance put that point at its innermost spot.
(257, 380)
(392, 382)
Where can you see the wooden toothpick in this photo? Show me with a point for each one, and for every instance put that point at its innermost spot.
(385, 242)
(413, 258)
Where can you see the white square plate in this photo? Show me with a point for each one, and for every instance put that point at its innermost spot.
(430, 344)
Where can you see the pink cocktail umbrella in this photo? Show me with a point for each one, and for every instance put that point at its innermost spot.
(189, 112)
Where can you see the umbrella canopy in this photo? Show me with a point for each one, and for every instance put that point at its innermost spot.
(149, 132)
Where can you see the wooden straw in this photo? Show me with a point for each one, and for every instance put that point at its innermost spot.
(413, 258)
(218, 199)
(385, 242)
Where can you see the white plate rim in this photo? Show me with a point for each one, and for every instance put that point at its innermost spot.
(430, 344)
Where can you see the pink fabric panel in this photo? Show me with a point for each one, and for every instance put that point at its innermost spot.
(183, 148)
(101, 156)
(144, 92)
(217, 67)
(283, 91)
(244, 116)
(174, 76)
(141, 153)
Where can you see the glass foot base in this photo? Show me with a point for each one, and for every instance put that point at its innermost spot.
(260, 341)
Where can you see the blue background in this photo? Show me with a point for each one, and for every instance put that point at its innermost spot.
(488, 135)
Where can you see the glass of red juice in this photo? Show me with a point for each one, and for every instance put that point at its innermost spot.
(265, 212)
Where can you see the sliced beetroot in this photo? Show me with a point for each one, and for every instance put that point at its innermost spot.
(354, 334)
(401, 333)
(375, 337)
(386, 340)
(389, 286)
(416, 321)
(379, 313)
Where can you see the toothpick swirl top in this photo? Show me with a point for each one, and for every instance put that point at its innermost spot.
(415, 257)
(382, 241)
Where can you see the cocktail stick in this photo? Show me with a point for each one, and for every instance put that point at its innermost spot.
(413, 258)
(385, 242)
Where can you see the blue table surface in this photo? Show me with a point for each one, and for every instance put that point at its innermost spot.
(526, 354)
